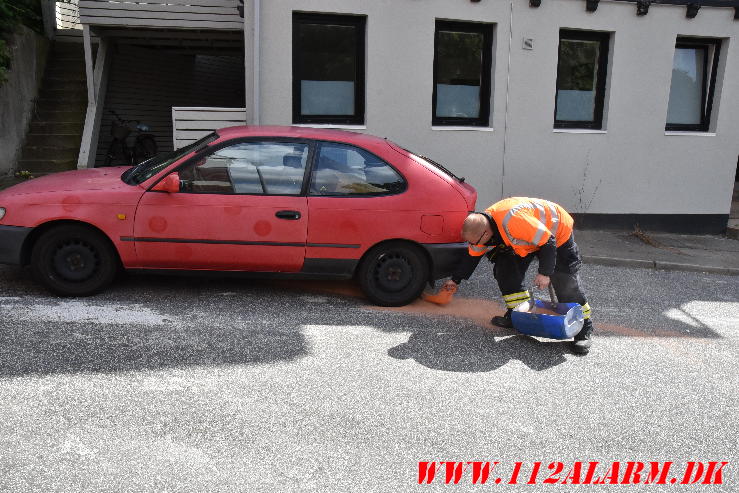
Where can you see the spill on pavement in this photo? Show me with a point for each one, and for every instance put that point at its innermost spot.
(476, 310)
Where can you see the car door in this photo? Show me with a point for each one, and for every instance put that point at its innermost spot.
(354, 202)
(239, 208)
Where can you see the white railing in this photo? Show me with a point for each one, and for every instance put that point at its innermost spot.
(187, 14)
(190, 124)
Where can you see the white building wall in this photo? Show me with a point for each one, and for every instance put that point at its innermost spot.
(399, 78)
(635, 167)
(631, 167)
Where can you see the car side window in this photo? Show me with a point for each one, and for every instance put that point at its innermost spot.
(342, 170)
(255, 168)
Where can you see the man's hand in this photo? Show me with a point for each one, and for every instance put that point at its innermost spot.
(449, 286)
(541, 281)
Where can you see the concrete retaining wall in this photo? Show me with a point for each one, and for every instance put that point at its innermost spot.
(28, 55)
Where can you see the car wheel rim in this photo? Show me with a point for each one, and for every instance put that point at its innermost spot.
(75, 261)
(393, 272)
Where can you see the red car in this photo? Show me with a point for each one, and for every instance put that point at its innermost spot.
(275, 201)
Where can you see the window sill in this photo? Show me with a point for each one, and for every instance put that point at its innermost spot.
(331, 125)
(461, 128)
(690, 132)
(577, 131)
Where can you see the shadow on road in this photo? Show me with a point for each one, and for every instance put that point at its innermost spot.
(478, 351)
(159, 322)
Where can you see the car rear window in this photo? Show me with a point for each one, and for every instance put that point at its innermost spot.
(428, 161)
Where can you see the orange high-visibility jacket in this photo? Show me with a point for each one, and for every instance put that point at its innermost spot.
(525, 224)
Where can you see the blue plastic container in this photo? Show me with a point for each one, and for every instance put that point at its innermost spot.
(563, 326)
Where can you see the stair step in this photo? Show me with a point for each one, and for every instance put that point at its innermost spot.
(66, 59)
(49, 152)
(60, 47)
(56, 128)
(64, 84)
(66, 94)
(61, 75)
(46, 165)
(57, 140)
(77, 116)
(65, 68)
(65, 71)
(52, 104)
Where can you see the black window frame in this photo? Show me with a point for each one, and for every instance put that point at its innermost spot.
(486, 30)
(604, 39)
(357, 21)
(708, 86)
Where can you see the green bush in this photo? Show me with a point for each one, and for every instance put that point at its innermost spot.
(12, 14)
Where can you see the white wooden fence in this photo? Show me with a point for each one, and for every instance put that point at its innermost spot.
(187, 14)
(190, 124)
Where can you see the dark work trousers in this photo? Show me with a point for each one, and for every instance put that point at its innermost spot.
(510, 271)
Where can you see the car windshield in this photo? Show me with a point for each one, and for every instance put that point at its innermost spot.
(433, 163)
(146, 169)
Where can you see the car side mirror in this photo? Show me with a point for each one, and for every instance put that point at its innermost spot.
(170, 184)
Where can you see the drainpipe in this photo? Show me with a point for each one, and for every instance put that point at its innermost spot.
(257, 62)
(507, 97)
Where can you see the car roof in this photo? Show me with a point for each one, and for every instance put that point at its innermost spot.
(298, 133)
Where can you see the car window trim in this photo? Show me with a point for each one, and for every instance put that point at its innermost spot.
(220, 145)
(320, 142)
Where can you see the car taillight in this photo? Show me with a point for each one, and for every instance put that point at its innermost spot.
(2, 212)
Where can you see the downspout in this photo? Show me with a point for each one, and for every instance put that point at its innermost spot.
(507, 96)
(256, 60)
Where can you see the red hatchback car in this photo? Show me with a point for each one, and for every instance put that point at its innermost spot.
(274, 201)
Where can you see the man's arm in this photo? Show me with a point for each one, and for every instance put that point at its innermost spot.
(547, 257)
(465, 268)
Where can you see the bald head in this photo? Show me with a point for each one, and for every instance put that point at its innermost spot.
(474, 227)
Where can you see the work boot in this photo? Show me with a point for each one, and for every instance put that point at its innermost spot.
(503, 321)
(583, 339)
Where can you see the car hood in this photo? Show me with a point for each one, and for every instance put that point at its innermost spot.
(72, 181)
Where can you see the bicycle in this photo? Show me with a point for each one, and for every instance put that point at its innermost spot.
(119, 152)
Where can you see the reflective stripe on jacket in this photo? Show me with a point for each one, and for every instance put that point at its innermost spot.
(479, 250)
(525, 224)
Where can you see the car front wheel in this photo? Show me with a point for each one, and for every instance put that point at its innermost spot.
(394, 274)
(73, 260)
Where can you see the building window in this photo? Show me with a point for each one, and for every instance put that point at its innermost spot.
(328, 69)
(693, 82)
(581, 79)
(462, 61)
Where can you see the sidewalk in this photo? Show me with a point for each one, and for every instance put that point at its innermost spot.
(703, 253)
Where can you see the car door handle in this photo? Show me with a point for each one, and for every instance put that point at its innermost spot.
(292, 215)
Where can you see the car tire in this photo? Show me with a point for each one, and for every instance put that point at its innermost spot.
(394, 273)
(73, 261)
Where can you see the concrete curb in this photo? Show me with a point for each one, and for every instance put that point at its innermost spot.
(659, 265)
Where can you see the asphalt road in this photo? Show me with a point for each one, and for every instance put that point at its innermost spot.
(188, 384)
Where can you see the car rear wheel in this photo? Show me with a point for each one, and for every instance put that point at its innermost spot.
(394, 274)
(73, 261)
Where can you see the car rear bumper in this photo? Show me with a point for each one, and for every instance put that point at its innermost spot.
(11, 244)
(445, 257)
